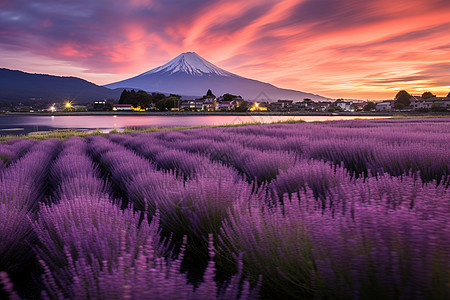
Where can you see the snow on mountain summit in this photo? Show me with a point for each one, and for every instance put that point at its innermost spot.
(191, 76)
(190, 63)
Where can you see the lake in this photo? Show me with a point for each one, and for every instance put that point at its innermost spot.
(25, 124)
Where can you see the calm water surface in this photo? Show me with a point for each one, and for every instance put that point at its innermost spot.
(27, 124)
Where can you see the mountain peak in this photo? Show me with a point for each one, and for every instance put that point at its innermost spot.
(190, 63)
(189, 74)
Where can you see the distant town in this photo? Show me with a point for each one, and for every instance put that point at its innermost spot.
(141, 101)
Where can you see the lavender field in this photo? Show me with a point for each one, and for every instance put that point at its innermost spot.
(337, 210)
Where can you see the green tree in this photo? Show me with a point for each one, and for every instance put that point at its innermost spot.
(140, 98)
(175, 95)
(123, 97)
(438, 108)
(428, 95)
(369, 106)
(158, 96)
(398, 105)
(334, 109)
(168, 103)
(229, 97)
(402, 97)
(143, 99)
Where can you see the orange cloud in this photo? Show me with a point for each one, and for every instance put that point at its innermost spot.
(338, 48)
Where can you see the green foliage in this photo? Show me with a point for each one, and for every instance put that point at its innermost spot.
(438, 108)
(168, 103)
(428, 95)
(123, 96)
(334, 109)
(139, 98)
(145, 100)
(175, 96)
(399, 105)
(158, 96)
(402, 97)
(369, 106)
(229, 97)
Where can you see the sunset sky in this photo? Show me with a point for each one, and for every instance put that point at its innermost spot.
(367, 49)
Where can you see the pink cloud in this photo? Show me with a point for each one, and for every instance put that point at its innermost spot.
(340, 48)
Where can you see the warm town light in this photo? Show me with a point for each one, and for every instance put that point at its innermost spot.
(68, 104)
(256, 107)
(52, 108)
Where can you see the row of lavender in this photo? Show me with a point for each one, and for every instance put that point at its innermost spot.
(394, 148)
(87, 246)
(282, 164)
(313, 208)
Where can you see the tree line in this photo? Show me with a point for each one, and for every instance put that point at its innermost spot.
(144, 100)
(402, 98)
(162, 102)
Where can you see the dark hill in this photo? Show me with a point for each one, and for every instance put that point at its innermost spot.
(20, 86)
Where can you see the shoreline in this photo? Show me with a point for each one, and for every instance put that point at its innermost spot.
(181, 114)
(65, 133)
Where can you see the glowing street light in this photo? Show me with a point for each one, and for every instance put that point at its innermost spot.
(68, 104)
(256, 107)
(52, 108)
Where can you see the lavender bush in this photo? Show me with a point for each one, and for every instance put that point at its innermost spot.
(142, 275)
(89, 230)
(15, 234)
(365, 242)
(22, 183)
(317, 175)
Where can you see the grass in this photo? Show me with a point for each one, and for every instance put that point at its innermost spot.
(64, 134)
(418, 116)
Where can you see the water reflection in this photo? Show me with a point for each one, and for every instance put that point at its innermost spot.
(39, 123)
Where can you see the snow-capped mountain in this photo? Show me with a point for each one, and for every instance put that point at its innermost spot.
(190, 63)
(190, 74)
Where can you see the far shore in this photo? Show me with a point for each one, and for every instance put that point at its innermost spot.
(187, 113)
(69, 132)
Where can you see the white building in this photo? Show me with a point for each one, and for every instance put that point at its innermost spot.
(384, 105)
(418, 102)
(344, 105)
